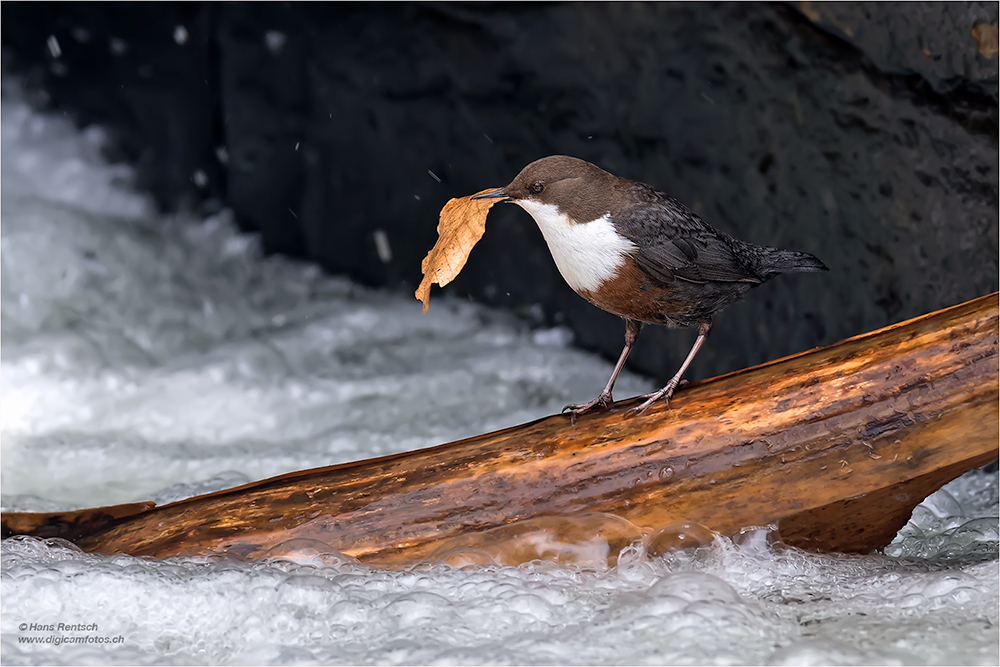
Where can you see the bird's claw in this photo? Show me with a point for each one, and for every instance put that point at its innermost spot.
(639, 409)
(666, 394)
(602, 402)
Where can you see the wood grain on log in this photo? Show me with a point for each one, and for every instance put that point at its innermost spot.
(835, 446)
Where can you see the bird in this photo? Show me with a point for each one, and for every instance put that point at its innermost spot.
(638, 253)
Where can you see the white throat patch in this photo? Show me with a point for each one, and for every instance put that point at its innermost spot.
(586, 254)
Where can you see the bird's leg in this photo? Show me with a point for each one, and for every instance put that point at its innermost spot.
(668, 390)
(604, 400)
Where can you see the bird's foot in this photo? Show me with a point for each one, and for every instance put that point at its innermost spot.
(664, 394)
(602, 402)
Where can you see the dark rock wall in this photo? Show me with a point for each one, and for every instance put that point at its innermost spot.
(865, 133)
(146, 71)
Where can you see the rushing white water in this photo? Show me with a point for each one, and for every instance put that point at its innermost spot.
(151, 358)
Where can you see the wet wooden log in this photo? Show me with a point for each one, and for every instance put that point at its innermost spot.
(835, 446)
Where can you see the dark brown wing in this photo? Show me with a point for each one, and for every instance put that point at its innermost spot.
(673, 242)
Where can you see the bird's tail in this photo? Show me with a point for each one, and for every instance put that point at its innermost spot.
(778, 261)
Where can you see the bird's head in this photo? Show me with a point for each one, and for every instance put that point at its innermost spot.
(567, 183)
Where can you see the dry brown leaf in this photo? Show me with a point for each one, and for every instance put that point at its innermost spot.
(462, 223)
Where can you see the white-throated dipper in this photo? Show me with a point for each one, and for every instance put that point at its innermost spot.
(633, 251)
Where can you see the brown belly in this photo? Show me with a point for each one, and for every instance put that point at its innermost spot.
(635, 295)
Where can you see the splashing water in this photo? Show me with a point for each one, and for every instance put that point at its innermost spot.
(151, 358)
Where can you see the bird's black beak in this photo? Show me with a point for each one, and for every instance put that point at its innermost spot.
(493, 194)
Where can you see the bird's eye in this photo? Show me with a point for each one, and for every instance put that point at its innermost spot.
(537, 187)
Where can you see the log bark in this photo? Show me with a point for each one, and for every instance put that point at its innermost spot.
(835, 446)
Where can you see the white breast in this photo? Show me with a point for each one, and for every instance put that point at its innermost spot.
(586, 254)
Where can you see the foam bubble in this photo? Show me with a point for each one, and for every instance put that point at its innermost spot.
(678, 535)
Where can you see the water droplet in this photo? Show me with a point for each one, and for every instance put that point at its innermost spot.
(275, 41)
(53, 45)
